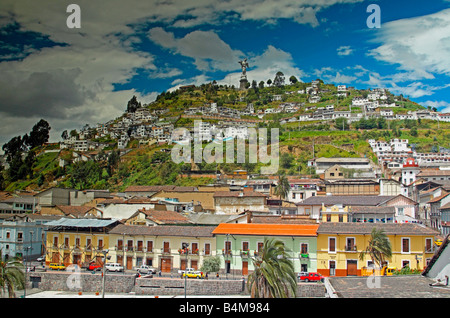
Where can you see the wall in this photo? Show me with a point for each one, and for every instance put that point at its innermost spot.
(86, 282)
(154, 286)
(120, 283)
(234, 205)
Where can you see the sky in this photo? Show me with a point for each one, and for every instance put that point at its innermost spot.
(76, 76)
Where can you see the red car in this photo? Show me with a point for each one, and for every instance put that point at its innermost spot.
(311, 277)
(94, 267)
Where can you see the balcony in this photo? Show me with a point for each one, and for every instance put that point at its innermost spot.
(304, 256)
(351, 248)
(227, 252)
(244, 254)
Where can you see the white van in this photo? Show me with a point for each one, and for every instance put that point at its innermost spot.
(114, 267)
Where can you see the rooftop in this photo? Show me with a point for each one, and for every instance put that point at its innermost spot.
(166, 230)
(352, 200)
(267, 229)
(366, 228)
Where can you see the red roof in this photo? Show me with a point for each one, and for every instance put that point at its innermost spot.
(267, 229)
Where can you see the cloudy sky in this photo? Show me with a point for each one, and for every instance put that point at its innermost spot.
(72, 77)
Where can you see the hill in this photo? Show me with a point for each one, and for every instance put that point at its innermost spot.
(145, 161)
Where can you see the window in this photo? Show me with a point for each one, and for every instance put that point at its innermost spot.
(332, 245)
(88, 244)
(77, 242)
(149, 246)
(166, 247)
(304, 248)
(8, 235)
(260, 246)
(140, 246)
(20, 236)
(120, 245)
(194, 248)
(129, 245)
(428, 245)
(207, 249)
(341, 218)
(405, 263)
(55, 241)
(328, 217)
(245, 246)
(227, 247)
(350, 244)
(100, 244)
(66, 242)
(405, 245)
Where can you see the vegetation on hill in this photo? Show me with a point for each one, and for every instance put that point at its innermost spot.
(34, 164)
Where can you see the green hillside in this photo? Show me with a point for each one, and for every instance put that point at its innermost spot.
(299, 141)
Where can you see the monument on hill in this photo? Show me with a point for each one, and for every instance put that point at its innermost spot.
(243, 81)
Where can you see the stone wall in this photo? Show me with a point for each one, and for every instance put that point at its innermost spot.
(86, 282)
(163, 286)
(126, 283)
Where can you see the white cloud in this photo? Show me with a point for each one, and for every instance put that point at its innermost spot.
(205, 47)
(419, 45)
(344, 50)
(442, 106)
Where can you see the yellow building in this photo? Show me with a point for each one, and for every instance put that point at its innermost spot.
(77, 241)
(162, 247)
(335, 213)
(340, 244)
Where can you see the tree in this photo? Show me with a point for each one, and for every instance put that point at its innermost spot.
(273, 275)
(64, 135)
(211, 264)
(282, 189)
(379, 248)
(38, 135)
(12, 275)
(293, 79)
(133, 104)
(279, 79)
(269, 82)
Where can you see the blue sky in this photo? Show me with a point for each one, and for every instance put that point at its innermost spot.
(72, 77)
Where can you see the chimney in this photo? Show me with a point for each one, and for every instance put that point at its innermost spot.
(249, 217)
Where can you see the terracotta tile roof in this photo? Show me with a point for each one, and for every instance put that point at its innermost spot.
(366, 228)
(165, 217)
(267, 229)
(373, 209)
(236, 194)
(352, 200)
(438, 198)
(160, 188)
(282, 219)
(164, 230)
(77, 211)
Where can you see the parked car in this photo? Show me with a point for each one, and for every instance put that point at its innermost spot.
(56, 266)
(311, 277)
(145, 269)
(194, 274)
(41, 258)
(182, 271)
(95, 267)
(114, 267)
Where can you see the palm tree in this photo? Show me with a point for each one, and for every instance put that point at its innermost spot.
(282, 189)
(273, 275)
(379, 248)
(11, 275)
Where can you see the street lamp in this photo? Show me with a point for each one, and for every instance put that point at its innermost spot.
(104, 252)
(186, 248)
